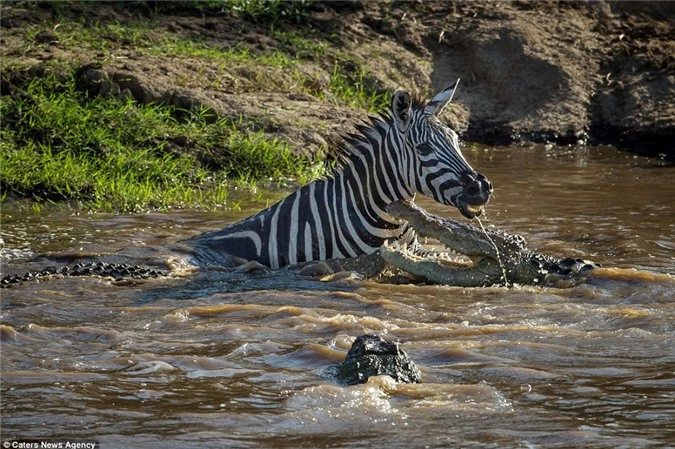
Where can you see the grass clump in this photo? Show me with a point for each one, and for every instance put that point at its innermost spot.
(109, 154)
(180, 47)
(275, 11)
(300, 47)
(271, 11)
(352, 85)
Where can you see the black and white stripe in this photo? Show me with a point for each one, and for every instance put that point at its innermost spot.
(403, 153)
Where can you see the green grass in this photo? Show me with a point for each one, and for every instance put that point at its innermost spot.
(179, 47)
(351, 84)
(236, 68)
(107, 154)
(299, 46)
(275, 11)
(269, 11)
(107, 38)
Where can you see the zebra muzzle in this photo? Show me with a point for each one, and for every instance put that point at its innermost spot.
(476, 193)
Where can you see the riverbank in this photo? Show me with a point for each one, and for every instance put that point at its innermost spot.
(292, 76)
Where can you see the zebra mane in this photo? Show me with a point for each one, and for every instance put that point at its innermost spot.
(349, 145)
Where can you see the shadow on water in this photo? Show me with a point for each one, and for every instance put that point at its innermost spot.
(205, 283)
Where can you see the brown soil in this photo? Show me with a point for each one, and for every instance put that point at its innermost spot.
(564, 72)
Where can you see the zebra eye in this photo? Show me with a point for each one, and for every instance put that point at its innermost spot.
(425, 149)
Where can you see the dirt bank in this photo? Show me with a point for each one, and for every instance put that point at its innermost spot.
(564, 72)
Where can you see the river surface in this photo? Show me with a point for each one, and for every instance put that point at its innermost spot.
(242, 360)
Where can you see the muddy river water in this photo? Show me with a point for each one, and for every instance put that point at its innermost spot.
(242, 360)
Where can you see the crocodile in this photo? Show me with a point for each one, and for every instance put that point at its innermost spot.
(371, 355)
(117, 271)
(496, 257)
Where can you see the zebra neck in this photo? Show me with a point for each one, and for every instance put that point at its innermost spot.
(374, 166)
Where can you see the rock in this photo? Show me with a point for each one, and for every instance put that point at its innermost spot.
(371, 355)
(46, 37)
(316, 269)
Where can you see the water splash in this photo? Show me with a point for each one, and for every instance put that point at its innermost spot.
(499, 258)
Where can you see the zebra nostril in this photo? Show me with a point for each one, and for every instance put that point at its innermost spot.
(476, 188)
(484, 184)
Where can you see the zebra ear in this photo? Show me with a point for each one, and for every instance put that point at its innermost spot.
(401, 103)
(441, 100)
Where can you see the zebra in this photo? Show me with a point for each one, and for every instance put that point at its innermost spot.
(405, 151)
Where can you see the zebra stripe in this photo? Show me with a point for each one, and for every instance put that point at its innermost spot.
(318, 226)
(273, 254)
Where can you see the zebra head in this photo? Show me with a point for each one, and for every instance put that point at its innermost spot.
(437, 167)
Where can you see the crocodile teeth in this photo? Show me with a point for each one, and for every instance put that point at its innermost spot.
(393, 245)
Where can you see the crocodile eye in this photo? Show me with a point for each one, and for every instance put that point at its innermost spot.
(425, 149)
